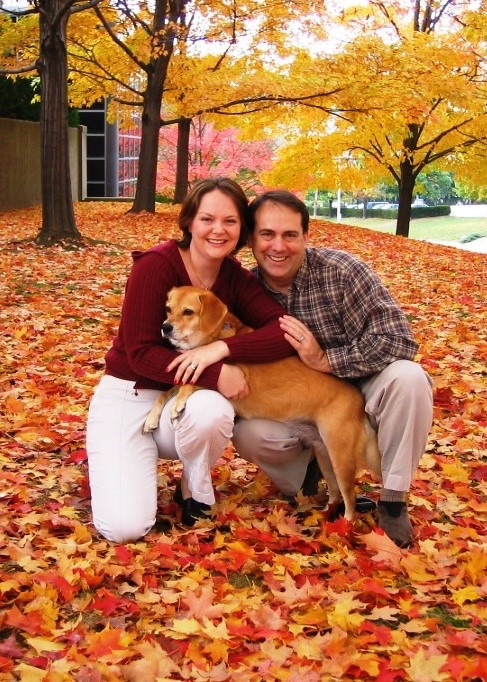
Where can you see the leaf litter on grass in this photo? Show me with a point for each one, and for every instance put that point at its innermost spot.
(267, 591)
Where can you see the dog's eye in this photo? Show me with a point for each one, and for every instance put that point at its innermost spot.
(188, 312)
(168, 309)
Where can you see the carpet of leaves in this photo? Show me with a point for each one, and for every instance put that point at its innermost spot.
(266, 591)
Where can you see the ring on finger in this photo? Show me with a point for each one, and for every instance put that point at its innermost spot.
(301, 338)
(193, 367)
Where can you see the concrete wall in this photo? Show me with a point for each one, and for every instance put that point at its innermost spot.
(20, 165)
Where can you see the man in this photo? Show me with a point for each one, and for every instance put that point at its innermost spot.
(342, 320)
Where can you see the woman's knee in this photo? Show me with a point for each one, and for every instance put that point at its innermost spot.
(208, 411)
(123, 529)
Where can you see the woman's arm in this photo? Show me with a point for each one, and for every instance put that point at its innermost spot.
(143, 312)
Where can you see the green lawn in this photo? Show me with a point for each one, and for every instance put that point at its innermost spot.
(444, 228)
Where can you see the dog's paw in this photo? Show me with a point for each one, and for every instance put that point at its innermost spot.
(149, 425)
(177, 410)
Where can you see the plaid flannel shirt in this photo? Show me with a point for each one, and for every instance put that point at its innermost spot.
(350, 312)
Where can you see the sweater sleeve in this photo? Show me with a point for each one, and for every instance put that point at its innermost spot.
(143, 312)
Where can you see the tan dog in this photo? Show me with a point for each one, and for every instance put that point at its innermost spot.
(328, 411)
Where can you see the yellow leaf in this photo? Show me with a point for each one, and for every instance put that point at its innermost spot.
(215, 631)
(342, 615)
(469, 593)
(455, 472)
(315, 615)
(41, 644)
(27, 673)
(415, 626)
(425, 668)
(217, 650)
(185, 626)
(8, 585)
(418, 570)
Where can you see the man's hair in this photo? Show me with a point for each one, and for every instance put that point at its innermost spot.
(283, 198)
(192, 203)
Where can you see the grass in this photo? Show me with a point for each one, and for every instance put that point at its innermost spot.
(443, 228)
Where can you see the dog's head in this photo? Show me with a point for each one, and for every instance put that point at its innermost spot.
(194, 317)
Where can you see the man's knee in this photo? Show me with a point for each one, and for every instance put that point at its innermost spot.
(408, 376)
(247, 437)
(265, 440)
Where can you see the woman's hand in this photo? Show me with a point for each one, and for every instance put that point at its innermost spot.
(191, 363)
(232, 383)
(303, 341)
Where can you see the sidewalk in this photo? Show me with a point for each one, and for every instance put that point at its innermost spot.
(477, 245)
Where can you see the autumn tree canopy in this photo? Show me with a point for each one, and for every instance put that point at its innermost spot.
(351, 95)
(419, 101)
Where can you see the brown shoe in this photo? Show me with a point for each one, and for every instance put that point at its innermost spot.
(394, 521)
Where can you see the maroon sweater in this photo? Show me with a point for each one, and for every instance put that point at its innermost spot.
(139, 353)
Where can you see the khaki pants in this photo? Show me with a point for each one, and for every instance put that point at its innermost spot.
(399, 404)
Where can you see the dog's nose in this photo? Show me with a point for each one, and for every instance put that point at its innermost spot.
(167, 328)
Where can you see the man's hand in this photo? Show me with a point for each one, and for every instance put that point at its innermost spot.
(303, 341)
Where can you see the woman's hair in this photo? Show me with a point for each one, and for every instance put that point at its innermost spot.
(281, 197)
(192, 203)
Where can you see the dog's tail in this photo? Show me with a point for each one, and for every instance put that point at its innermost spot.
(372, 453)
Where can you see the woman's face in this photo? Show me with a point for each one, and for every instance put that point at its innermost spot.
(215, 228)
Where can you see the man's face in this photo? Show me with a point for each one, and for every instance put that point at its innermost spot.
(278, 244)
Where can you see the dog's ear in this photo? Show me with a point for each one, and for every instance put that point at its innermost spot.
(213, 311)
(232, 326)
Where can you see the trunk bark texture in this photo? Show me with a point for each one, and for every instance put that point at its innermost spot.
(58, 220)
(182, 161)
(168, 16)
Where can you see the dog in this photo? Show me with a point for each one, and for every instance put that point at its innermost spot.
(328, 412)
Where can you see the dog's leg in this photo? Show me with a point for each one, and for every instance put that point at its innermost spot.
(179, 404)
(310, 437)
(321, 454)
(152, 421)
(344, 440)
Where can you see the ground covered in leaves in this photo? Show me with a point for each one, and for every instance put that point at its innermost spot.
(266, 591)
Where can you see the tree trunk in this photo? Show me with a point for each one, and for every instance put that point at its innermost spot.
(58, 221)
(182, 160)
(167, 17)
(145, 193)
(406, 189)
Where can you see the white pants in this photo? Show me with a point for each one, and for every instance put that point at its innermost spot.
(399, 403)
(122, 460)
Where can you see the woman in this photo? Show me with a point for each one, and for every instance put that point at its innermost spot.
(122, 460)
